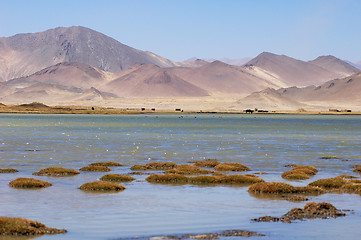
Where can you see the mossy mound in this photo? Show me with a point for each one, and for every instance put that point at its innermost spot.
(347, 176)
(188, 170)
(329, 183)
(8, 170)
(306, 169)
(357, 169)
(295, 198)
(154, 166)
(209, 163)
(272, 187)
(235, 167)
(312, 210)
(30, 183)
(95, 169)
(167, 178)
(351, 188)
(295, 175)
(117, 178)
(330, 157)
(181, 179)
(282, 188)
(56, 172)
(102, 186)
(107, 164)
(26, 227)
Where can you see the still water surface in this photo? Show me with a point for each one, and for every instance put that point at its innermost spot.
(262, 142)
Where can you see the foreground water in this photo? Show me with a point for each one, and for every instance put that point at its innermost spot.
(262, 142)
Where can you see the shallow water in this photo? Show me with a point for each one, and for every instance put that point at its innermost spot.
(262, 142)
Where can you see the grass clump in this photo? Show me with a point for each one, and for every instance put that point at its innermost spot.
(154, 166)
(357, 169)
(282, 188)
(306, 169)
(188, 170)
(272, 187)
(30, 183)
(235, 167)
(181, 179)
(95, 169)
(167, 178)
(117, 178)
(329, 183)
(107, 164)
(295, 175)
(56, 172)
(240, 179)
(210, 163)
(8, 170)
(300, 173)
(21, 226)
(102, 186)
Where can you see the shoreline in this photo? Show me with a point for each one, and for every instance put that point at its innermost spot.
(38, 108)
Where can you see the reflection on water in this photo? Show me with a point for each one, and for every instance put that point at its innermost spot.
(262, 142)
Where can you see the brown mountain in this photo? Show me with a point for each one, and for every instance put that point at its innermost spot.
(339, 90)
(288, 71)
(270, 99)
(219, 78)
(70, 74)
(336, 65)
(24, 54)
(147, 80)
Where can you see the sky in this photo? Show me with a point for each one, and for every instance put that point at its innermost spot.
(216, 29)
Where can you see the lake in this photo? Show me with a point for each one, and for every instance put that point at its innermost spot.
(264, 143)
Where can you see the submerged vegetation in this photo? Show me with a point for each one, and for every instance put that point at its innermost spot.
(95, 169)
(235, 167)
(300, 173)
(181, 179)
(56, 172)
(154, 166)
(209, 163)
(102, 186)
(188, 170)
(30, 183)
(283, 188)
(107, 164)
(117, 178)
(8, 170)
(26, 227)
(311, 210)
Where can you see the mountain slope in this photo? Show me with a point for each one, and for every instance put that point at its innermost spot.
(343, 90)
(334, 64)
(219, 78)
(24, 54)
(289, 71)
(148, 80)
(269, 99)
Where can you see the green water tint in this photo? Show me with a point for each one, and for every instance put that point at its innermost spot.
(264, 143)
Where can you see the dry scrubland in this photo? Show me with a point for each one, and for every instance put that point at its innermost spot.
(210, 172)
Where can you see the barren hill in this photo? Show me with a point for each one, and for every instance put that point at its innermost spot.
(24, 54)
(289, 71)
(334, 64)
(270, 99)
(148, 80)
(339, 90)
(219, 78)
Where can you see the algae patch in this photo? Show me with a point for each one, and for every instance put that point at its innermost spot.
(30, 183)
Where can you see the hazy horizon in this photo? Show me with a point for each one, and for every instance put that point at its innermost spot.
(179, 30)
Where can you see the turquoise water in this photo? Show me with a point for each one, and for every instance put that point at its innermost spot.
(262, 142)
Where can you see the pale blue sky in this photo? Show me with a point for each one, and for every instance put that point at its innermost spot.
(179, 30)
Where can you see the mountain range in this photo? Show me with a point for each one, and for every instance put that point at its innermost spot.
(77, 65)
